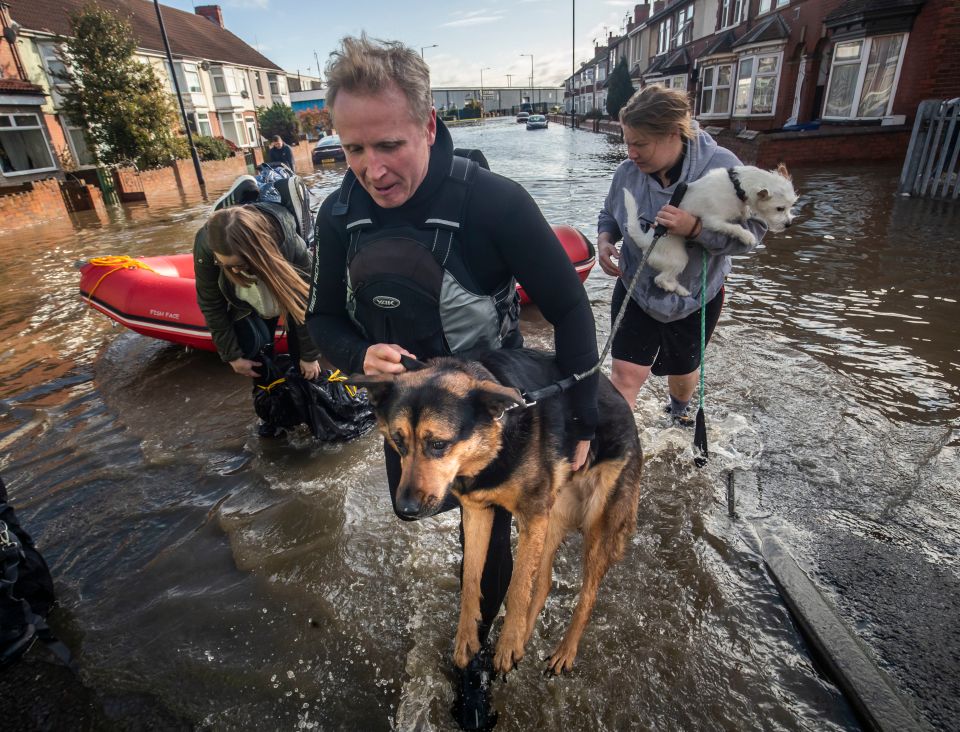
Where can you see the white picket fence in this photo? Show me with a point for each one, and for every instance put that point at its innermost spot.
(930, 168)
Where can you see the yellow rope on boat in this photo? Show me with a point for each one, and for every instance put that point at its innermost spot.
(118, 262)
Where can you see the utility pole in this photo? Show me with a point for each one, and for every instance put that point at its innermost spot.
(317, 59)
(183, 111)
(531, 79)
(509, 77)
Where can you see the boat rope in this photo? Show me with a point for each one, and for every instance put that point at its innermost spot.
(118, 262)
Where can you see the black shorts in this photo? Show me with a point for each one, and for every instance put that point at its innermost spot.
(673, 349)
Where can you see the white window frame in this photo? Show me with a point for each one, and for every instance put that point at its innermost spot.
(684, 26)
(69, 129)
(755, 56)
(256, 75)
(715, 86)
(733, 12)
(861, 76)
(9, 122)
(48, 53)
(251, 125)
(189, 69)
(767, 5)
(664, 35)
(201, 124)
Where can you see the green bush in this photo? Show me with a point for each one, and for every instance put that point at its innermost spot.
(278, 120)
(212, 148)
(160, 154)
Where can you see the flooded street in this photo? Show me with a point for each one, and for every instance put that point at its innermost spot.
(209, 579)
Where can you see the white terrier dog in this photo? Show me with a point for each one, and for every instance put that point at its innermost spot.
(720, 198)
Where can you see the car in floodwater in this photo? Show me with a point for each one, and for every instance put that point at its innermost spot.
(329, 148)
(522, 116)
(537, 122)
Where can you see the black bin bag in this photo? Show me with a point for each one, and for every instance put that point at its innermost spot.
(333, 410)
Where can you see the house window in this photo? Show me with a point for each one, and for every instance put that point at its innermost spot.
(715, 94)
(77, 143)
(192, 77)
(767, 5)
(23, 146)
(55, 69)
(277, 85)
(228, 80)
(200, 123)
(757, 84)
(684, 26)
(663, 40)
(219, 82)
(733, 12)
(256, 75)
(863, 77)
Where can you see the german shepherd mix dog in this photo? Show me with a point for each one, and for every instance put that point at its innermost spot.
(454, 425)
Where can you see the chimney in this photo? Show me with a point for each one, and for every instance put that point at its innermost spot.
(211, 13)
(657, 6)
(640, 13)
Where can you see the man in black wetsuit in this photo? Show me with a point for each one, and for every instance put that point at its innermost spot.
(418, 255)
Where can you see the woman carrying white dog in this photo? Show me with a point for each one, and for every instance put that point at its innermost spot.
(661, 330)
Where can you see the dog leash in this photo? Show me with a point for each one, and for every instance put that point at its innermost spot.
(532, 397)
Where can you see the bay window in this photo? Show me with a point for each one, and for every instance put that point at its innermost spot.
(863, 77)
(757, 84)
(715, 93)
(23, 145)
(192, 78)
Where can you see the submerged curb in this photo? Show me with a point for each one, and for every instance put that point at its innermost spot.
(869, 690)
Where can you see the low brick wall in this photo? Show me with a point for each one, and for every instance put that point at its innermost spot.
(179, 178)
(42, 202)
(834, 144)
(826, 145)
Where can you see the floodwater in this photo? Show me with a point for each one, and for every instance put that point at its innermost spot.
(210, 577)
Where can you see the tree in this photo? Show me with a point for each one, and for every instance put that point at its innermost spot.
(124, 110)
(619, 88)
(313, 119)
(278, 120)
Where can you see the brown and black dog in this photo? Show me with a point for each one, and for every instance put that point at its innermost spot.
(459, 427)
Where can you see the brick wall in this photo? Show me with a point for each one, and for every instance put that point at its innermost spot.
(836, 145)
(43, 202)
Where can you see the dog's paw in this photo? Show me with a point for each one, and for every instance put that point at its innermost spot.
(682, 291)
(562, 661)
(747, 237)
(465, 646)
(509, 652)
(666, 282)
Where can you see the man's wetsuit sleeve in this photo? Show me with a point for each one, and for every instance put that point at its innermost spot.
(329, 325)
(536, 258)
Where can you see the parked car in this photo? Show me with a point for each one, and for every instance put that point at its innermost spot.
(522, 116)
(536, 122)
(329, 148)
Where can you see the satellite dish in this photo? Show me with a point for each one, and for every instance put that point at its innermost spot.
(205, 65)
(11, 31)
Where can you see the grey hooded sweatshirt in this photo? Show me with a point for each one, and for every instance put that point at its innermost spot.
(702, 155)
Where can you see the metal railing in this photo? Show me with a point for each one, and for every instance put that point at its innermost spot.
(930, 168)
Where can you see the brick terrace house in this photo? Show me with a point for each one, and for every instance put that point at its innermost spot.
(25, 150)
(769, 64)
(222, 79)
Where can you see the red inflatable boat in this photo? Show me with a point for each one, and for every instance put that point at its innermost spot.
(156, 296)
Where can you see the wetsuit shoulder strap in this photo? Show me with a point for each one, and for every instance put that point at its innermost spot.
(447, 211)
(353, 203)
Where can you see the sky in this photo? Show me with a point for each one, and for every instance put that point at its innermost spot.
(468, 36)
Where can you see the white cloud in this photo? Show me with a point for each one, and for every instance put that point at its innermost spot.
(473, 20)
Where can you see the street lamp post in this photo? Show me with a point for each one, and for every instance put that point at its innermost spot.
(424, 48)
(183, 112)
(531, 79)
(483, 103)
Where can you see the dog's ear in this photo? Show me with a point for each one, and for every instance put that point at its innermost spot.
(495, 398)
(763, 194)
(379, 386)
(782, 170)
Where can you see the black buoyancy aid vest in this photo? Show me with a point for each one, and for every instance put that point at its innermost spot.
(410, 285)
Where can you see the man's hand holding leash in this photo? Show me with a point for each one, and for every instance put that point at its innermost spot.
(244, 367)
(384, 358)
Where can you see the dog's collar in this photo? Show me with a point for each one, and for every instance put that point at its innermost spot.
(735, 179)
